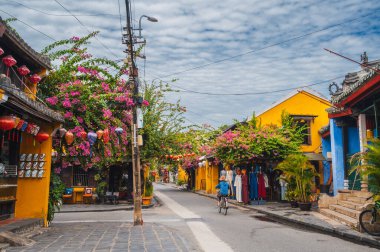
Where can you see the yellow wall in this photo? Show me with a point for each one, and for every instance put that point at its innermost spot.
(209, 176)
(302, 103)
(33, 193)
(182, 175)
(200, 177)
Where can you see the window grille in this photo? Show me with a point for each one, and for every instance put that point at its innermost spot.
(80, 177)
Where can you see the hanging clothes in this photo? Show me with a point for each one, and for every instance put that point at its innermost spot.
(238, 185)
(244, 183)
(233, 185)
(229, 179)
(253, 193)
(261, 186)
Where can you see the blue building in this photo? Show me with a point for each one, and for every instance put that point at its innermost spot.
(354, 120)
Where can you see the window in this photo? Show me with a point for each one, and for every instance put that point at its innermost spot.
(80, 176)
(305, 123)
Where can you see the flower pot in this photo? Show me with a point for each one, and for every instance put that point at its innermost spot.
(304, 206)
(293, 204)
(147, 200)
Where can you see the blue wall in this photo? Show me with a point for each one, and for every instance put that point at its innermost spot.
(326, 147)
(338, 158)
(353, 140)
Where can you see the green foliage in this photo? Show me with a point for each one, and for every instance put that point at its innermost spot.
(57, 188)
(298, 170)
(368, 165)
(148, 188)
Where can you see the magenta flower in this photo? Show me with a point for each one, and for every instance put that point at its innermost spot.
(66, 103)
(57, 170)
(75, 38)
(75, 93)
(52, 100)
(80, 119)
(68, 114)
(107, 113)
(145, 103)
(106, 87)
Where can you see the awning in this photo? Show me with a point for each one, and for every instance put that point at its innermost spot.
(315, 156)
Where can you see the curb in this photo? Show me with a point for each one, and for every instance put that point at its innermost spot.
(327, 230)
(126, 208)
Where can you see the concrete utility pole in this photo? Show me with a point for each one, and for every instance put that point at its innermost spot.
(137, 215)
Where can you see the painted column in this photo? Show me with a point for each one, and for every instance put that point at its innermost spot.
(363, 143)
(337, 156)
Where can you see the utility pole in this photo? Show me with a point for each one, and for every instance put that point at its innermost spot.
(137, 214)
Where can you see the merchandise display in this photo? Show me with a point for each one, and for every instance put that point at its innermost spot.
(31, 165)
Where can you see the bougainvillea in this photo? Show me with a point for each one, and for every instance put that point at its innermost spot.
(91, 97)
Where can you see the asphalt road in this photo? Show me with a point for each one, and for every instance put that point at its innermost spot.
(196, 219)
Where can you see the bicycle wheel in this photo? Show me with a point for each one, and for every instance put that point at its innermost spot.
(370, 223)
(225, 210)
(220, 206)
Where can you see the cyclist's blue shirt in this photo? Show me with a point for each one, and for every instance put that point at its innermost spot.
(223, 186)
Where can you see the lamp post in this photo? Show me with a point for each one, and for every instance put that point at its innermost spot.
(151, 19)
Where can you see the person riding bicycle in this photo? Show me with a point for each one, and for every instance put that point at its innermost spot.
(223, 186)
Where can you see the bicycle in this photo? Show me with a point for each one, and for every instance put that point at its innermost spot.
(223, 204)
(370, 219)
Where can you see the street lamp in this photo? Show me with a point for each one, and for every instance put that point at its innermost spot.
(151, 19)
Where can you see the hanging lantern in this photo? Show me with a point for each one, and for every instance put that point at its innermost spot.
(69, 137)
(29, 128)
(91, 136)
(99, 133)
(83, 135)
(7, 123)
(119, 131)
(106, 136)
(9, 61)
(1, 51)
(62, 132)
(17, 121)
(42, 137)
(23, 70)
(19, 124)
(35, 78)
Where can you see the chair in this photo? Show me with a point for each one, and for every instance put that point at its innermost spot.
(87, 196)
(68, 195)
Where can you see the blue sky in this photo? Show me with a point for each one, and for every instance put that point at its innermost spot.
(194, 33)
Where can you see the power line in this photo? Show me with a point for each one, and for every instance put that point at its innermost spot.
(86, 28)
(184, 90)
(63, 15)
(46, 35)
(269, 46)
(121, 26)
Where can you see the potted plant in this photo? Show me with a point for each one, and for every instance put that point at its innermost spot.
(148, 193)
(297, 167)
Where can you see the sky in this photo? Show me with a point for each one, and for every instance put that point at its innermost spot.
(229, 58)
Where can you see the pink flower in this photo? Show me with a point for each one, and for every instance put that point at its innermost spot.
(106, 87)
(68, 114)
(80, 119)
(75, 101)
(57, 170)
(107, 113)
(52, 100)
(129, 102)
(83, 108)
(66, 103)
(75, 93)
(75, 38)
(145, 103)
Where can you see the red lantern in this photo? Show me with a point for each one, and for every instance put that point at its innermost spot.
(23, 70)
(35, 78)
(9, 61)
(106, 136)
(42, 137)
(1, 51)
(83, 135)
(7, 123)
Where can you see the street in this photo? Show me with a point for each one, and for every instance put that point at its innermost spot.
(184, 222)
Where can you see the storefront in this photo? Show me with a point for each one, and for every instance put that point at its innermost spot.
(26, 126)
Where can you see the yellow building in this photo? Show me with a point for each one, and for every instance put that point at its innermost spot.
(206, 176)
(307, 107)
(25, 163)
(182, 175)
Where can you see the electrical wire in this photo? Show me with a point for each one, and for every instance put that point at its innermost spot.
(184, 90)
(269, 46)
(63, 15)
(80, 22)
(121, 26)
(46, 35)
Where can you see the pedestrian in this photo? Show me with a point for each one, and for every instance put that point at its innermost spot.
(223, 188)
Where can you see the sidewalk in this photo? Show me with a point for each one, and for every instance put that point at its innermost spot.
(282, 212)
(76, 208)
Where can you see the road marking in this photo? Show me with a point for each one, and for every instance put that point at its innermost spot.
(205, 237)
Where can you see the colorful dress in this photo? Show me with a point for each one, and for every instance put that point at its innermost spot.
(244, 182)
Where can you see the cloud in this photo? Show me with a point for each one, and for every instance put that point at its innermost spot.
(192, 33)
